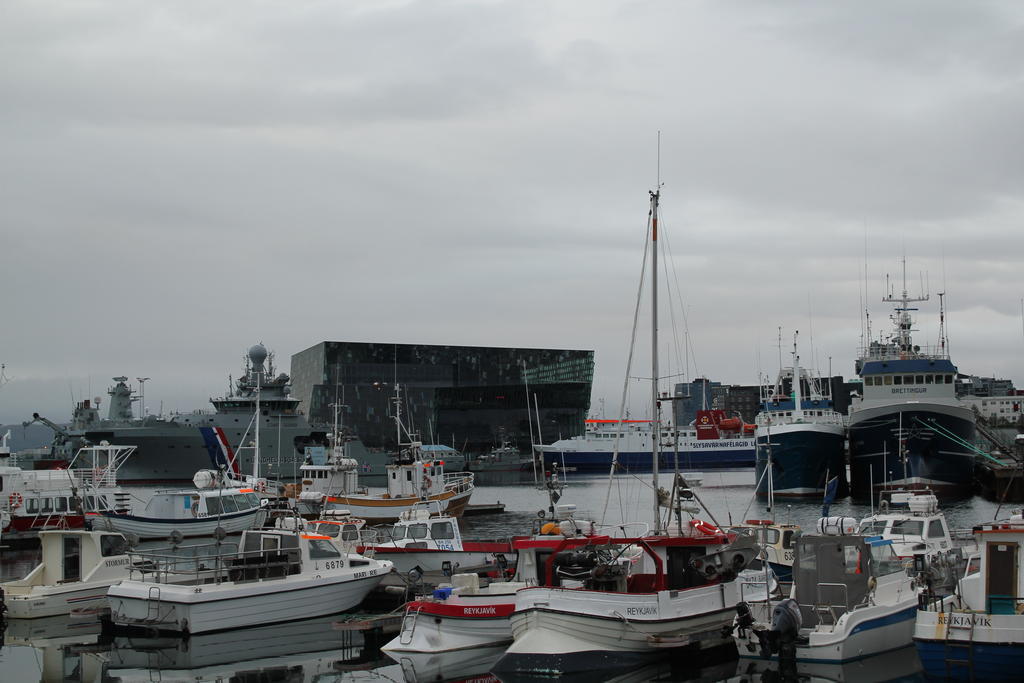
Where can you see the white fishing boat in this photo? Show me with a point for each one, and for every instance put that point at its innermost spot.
(851, 598)
(424, 538)
(77, 568)
(190, 512)
(912, 521)
(276, 575)
(415, 477)
(978, 633)
(597, 617)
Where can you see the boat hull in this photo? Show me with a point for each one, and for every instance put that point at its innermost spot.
(54, 601)
(379, 510)
(181, 609)
(429, 560)
(867, 632)
(725, 454)
(935, 456)
(995, 648)
(470, 622)
(150, 527)
(803, 456)
(570, 630)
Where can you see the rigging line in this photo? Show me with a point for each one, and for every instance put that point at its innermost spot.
(625, 383)
(688, 354)
(754, 497)
(942, 431)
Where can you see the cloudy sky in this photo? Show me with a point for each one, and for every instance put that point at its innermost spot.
(180, 180)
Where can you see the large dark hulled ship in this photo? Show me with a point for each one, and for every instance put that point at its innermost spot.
(800, 437)
(172, 450)
(909, 429)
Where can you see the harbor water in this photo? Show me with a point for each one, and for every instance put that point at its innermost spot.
(325, 649)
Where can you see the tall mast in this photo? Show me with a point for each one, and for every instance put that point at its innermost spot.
(797, 411)
(655, 417)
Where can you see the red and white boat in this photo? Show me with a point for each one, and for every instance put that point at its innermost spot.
(38, 500)
(468, 614)
(591, 615)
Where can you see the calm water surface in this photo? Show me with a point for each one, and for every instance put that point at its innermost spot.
(64, 649)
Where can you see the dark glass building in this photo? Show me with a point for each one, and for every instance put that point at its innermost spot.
(469, 396)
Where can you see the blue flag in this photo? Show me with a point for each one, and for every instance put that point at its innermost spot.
(830, 494)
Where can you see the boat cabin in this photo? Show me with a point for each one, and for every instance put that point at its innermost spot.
(193, 503)
(833, 575)
(74, 555)
(912, 522)
(422, 526)
(999, 587)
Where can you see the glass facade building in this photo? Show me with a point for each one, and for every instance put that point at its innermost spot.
(471, 397)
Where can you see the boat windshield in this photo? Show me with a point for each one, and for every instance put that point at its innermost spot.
(417, 531)
(243, 502)
(907, 527)
(227, 504)
(326, 529)
(873, 527)
(884, 560)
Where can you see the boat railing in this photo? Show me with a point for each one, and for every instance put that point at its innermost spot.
(96, 477)
(888, 352)
(200, 568)
(823, 609)
(627, 530)
(458, 482)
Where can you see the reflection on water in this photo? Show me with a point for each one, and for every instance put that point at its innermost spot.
(65, 649)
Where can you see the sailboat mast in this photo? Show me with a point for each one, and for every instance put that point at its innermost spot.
(655, 417)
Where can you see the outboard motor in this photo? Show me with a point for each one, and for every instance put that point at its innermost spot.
(786, 622)
(744, 620)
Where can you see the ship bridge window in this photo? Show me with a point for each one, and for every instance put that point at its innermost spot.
(441, 530)
(32, 506)
(888, 380)
(417, 531)
(319, 549)
(949, 379)
(927, 379)
(935, 529)
(350, 533)
(907, 527)
(919, 379)
(213, 506)
(112, 544)
(897, 379)
(47, 505)
(228, 503)
(62, 504)
(243, 502)
(908, 379)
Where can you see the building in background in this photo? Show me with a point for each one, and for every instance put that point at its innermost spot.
(471, 397)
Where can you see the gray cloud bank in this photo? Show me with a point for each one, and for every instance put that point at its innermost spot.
(180, 180)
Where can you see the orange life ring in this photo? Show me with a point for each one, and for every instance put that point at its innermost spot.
(704, 527)
(15, 500)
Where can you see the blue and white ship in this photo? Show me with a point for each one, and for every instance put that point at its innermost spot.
(713, 441)
(908, 429)
(800, 439)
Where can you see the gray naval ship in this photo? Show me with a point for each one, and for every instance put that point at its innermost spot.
(171, 450)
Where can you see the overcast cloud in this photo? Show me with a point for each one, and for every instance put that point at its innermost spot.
(181, 180)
